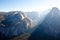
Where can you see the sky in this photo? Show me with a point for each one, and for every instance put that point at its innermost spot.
(28, 5)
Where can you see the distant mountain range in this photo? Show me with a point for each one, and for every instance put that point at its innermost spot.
(49, 29)
(33, 15)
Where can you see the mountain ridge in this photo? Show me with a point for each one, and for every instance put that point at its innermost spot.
(49, 29)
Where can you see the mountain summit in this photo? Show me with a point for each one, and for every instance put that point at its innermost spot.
(55, 9)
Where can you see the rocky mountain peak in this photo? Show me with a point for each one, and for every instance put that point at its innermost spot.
(55, 9)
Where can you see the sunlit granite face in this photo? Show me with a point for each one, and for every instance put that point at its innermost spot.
(13, 24)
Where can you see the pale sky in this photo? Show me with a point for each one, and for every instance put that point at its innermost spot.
(28, 5)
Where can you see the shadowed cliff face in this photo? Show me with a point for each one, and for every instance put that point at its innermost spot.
(49, 29)
(13, 24)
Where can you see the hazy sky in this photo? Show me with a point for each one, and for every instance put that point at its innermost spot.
(28, 5)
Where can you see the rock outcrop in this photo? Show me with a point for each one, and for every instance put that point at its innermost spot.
(13, 24)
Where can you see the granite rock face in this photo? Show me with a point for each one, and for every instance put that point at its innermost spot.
(13, 24)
